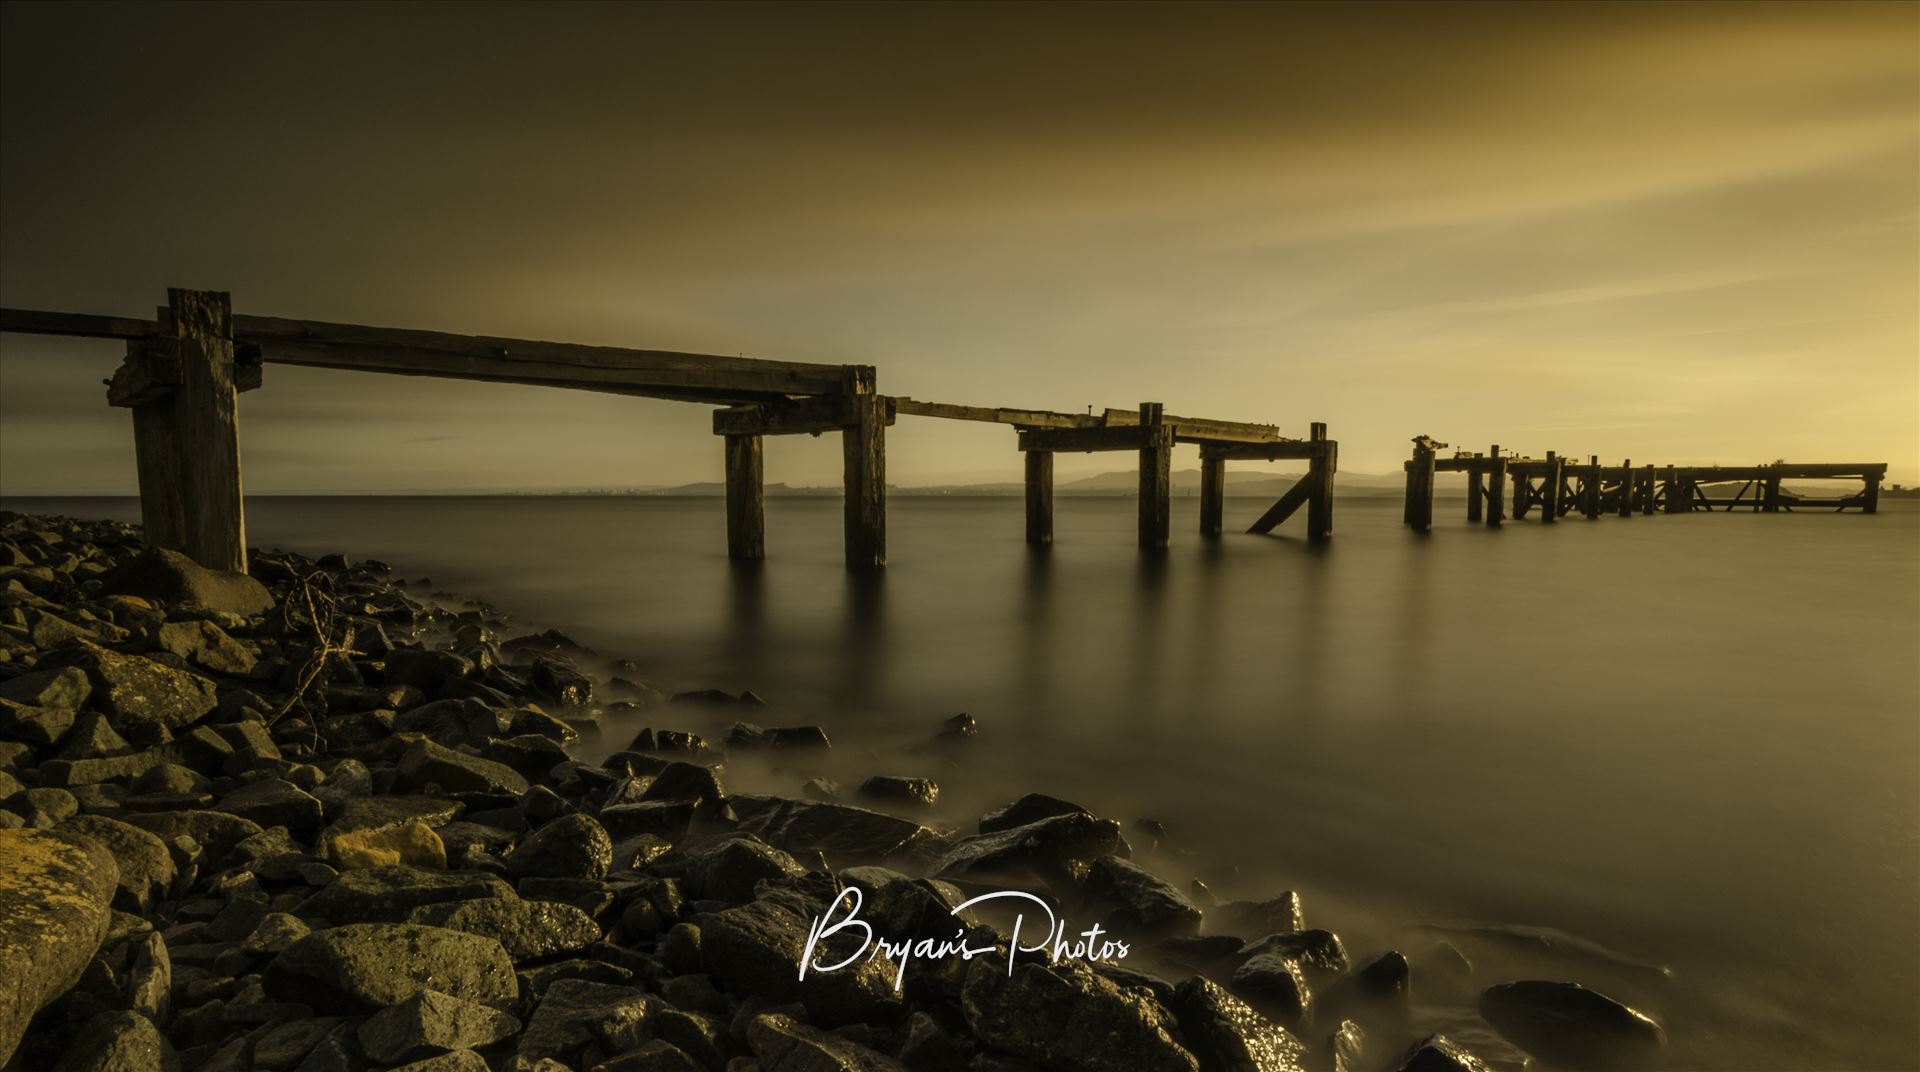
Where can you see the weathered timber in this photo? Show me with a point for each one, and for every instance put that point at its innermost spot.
(1200, 429)
(1027, 418)
(863, 447)
(1277, 451)
(1551, 491)
(1320, 473)
(1088, 440)
(1295, 497)
(1522, 493)
(1647, 493)
(1496, 486)
(1590, 489)
(1476, 492)
(1870, 495)
(799, 416)
(156, 456)
(1213, 494)
(78, 325)
(1039, 498)
(746, 499)
(1156, 479)
(1419, 509)
(207, 428)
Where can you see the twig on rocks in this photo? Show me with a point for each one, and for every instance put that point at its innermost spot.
(310, 609)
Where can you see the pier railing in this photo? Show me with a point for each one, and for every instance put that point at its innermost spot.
(184, 370)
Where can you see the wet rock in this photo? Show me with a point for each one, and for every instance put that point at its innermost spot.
(1346, 1048)
(572, 846)
(1043, 850)
(389, 894)
(1566, 1023)
(903, 792)
(1386, 976)
(746, 736)
(454, 722)
(782, 1044)
(686, 781)
(899, 906)
(754, 948)
(373, 812)
(429, 671)
(55, 892)
(844, 833)
(451, 1061)
(1138, 900)
(365, 966)
(206, 646)
(727, 868)
(525, 929)
(1281, 915)
(1275, 985)
(35, 725)
(1028, 809)
(1228, 1035)
(1438, 1053)
(274, 802)
(146, 867)
(149, 980)
(561, 683)
(412, 843)
(572, 1012)
(1319, 950)
(118, 1041)
(658, 1055)
(138, 693)
(43, 809)
(286, 1045)
(697, 1035)
(163, 576)
(431, 1022)
(92, 737)
(1066, 1017)
(960, 729)
(425, 763)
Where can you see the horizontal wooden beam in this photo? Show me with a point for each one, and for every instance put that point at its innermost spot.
(1026, 418)
(1201, 429)
(1084, 439)
(83, 325)
(800, 416)
(1282, 450)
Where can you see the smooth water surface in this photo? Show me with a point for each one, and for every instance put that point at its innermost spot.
(1692, 739)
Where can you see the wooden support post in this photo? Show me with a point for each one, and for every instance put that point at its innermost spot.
(1419, 509)
(1496, 486)
(1476, 492)
(1625, 491)
(746, 499)
(1156, 479)
(1675, 501)
(205, 430)
(1870, 495)
(156, 445)
(1550, 504)
(1590, 488)
(1522, 495)
(1213, 493)
(1646, 491)
(1771, 498)
(1039, 498)
(1320, 470)
(864, 449)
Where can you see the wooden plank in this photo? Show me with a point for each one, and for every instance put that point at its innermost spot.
(1201, 429)
(864, 451)
(1295, 497)
(1320, 472)
(746, 499)
(1279, 450)
(1213, 495)
(799, 416)
(1039, 498)
(1083, 439)
(208, 430)
(1496, 486)
(80, 325)
(1028, 418)
(404, 351)
(1156, 479)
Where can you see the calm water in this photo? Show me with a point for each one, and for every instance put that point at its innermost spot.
(1695, 740)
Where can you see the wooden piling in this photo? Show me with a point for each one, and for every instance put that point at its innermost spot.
(1419, 508)
(1156, 478)
(1771, 496)
(1624, 492)
(1496, 486)
(864, 450)
(1590, 488)
(1476, 491)
(1213, 493)
(1039, 498)
(1870, 495)
(1551, 488)
(182, 389)
(1646, 491)
(746, 499)
(1321, 468)
(1522, 494)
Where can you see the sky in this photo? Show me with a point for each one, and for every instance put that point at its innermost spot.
(1672, 233)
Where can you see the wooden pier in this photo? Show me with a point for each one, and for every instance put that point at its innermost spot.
(1558, 487)
(184, 370)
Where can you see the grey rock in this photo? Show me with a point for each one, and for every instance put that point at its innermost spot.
(206, 646)
(452, 1061)
(1042, 850)
(572, 846)
(425, 763)
(365, 966)
(1228, 1035)
(118, 1041)
(783, 1044)
(215, 831)
(921, 793)
(1276, 985)
(1566, 1023)
(136, 692)
(754, 949)
(525, 929)
(389, 894)
(428, 671)
(1281, 915)
(572, 1012)
(65, 687)
(431, 1022)
(844, 833)
(726, 868)
(1028, 809)
(164, 576)
(1438, 1053)
(43, 809)
(658, 1055)
(1066, 1017)
(1322, 951)
(55, 893)
(274, 802)
(1138, 900)
(146, 867)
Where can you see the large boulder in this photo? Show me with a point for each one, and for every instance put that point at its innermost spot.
(1139, 901)
(136, 692)
(1065, 1017)
(365, 966)
(425, 763)
(782, 1044)
(215, 831)
(844, 833)
(390, 894)
(430, 1022)
(572, 846)
(1567, 1024)
(569, 1013)
(1042, 850)
(164, 576)
(754, 949)
(1227, 1035)
(206, 646)
(526, 929)
(118, 1041)
(146, 867)
(56, 892)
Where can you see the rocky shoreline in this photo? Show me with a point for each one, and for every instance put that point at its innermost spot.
(309, 820)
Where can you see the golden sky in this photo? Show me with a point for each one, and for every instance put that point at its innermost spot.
(1674, 233)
